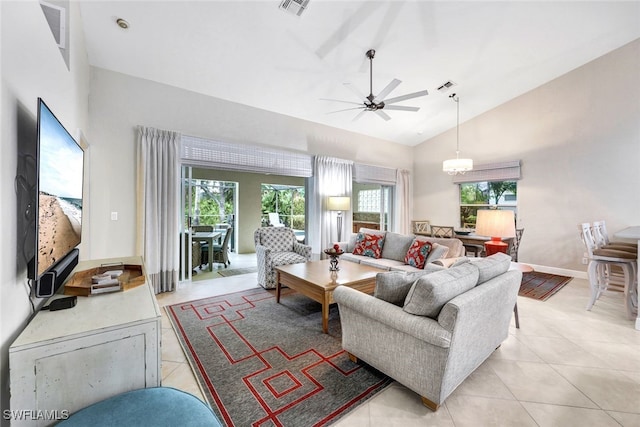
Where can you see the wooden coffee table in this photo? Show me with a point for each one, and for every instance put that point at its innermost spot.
(314, 280)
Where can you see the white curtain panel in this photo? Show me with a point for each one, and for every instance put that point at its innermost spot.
(158, 205)
(331, 177)
(403, 202)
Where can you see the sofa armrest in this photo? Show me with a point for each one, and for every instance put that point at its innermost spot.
(302, 249)
(369, 307)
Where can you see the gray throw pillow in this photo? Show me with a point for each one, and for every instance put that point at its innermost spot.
(437, 252)
(431, 292)
(492, 266)
(393, 286)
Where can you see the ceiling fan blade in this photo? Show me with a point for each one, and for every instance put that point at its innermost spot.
(387, 90)
(405, 97)
(359, 94)
(383, 114)
(339, 100)
(347, 109)
(400, 108)
(360, 114)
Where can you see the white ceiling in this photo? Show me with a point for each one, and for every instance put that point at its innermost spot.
(253, 53)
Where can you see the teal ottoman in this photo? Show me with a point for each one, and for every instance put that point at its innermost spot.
(160, 406)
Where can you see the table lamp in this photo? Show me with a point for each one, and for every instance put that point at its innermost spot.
(496, 224)
(339, 204)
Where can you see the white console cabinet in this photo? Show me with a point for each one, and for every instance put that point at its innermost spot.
(65, 360)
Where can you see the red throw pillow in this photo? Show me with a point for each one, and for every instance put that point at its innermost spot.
(418, 253)
(369, 245)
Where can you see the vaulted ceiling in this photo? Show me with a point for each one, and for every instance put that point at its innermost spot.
(254, 53)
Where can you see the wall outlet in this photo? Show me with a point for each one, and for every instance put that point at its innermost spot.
(114, 216)
(585, 261)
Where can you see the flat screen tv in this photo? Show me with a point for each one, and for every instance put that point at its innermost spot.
(60, 165)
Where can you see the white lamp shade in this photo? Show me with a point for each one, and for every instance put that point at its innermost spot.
(495, 223)
(453, 166)
(339, 203)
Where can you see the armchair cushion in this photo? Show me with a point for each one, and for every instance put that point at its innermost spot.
(431, 292)
(369, 245)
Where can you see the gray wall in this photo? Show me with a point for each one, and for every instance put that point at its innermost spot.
(32, 67)
(578, 137)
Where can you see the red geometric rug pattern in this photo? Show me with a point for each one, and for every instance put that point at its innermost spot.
(260, 363)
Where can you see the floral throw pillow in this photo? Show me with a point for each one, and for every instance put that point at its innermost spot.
(369, 245)
(418, 253)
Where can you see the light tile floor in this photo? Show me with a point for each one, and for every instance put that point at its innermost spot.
(565, 366)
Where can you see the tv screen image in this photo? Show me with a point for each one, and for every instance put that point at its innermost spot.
(60, 176)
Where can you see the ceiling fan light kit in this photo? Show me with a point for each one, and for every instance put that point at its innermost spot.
(457, 165)
(377, 103)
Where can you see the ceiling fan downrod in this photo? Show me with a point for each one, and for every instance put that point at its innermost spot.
(371, 53)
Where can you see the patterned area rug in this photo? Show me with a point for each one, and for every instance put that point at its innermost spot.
(236, 271)
(260, 363)
(541, 286)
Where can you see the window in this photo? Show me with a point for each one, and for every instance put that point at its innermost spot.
(288, 201)
(485, 194)
(369, 201)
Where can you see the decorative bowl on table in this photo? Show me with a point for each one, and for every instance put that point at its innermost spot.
(464, 231)
(334, 253)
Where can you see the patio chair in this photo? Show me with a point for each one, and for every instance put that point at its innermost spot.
(277, 246)
(274, 220)
(220, 252)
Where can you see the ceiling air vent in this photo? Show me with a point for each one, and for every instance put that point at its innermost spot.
(294, 6)
(56, 18)
(444, 87)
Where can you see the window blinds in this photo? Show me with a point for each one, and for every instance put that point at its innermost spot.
(505, 171)
(248, 158)
(374, 175)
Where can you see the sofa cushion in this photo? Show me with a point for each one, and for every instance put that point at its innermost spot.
(431, 292)
(417, 254)
(492, 266)
(369, 245)
(396, 246)
(385, 264)
(438, 251)
(393, 286)
(351, 257)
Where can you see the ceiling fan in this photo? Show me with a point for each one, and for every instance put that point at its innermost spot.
(377, 103)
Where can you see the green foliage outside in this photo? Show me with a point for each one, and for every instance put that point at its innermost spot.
(287, 202)
(212, 201)
(480, 195)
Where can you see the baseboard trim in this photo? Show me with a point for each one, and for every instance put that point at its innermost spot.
(560, 271)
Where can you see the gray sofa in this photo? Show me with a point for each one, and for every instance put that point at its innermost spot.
(395, 248)
(430, 330)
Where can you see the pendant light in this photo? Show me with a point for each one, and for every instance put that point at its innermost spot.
(457, 165)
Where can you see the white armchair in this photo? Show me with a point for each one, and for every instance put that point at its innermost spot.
(277, 246)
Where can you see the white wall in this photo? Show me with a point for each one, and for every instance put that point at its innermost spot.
(118, 103)
(32, 67)
(578, 137)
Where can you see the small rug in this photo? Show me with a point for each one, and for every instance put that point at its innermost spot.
(260, 363)
(541, 286)
(236, 271)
